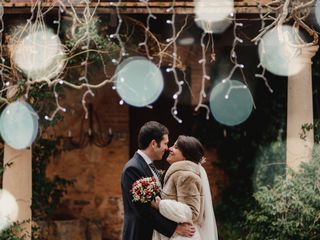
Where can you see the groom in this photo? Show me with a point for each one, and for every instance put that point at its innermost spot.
(140, 219)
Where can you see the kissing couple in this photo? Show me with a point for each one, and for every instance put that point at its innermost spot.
(184, 211)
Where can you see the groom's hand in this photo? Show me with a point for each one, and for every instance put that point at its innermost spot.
(185, 229)
(155, 203)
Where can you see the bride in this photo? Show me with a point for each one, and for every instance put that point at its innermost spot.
(186, 193)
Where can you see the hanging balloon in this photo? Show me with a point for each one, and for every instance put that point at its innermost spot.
(231, 102)
(8, 209)
(35, 119)
(214, 27)
(139, 82)
(213, 10)
(19, 125)
(39, 55)
(277, 54)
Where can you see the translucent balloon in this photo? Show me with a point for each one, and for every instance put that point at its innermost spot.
(139, 82)
(39, 55)
(8, 209)
(19, 125)
(185, 41)
(213, 10)
(231, 102)
(277, 53)
(214, 27)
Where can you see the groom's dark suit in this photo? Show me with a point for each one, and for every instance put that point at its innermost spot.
(140, 218)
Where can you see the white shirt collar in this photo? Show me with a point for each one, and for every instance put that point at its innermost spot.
(148, 161)
(144, 156)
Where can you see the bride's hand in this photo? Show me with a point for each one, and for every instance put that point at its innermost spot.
(155, 203)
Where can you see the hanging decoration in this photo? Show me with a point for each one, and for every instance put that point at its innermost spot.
(213, 10)
(41, 58)
(139, 82)
(8, 209)
(173, 69)
(277, 52)
(147, 29)
(261, 75)
(213, 16)
(207, 15)
(39, 54)
(19, 125)
(214, 27)
(231, 102)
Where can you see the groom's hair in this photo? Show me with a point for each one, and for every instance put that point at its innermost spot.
(151, 131)
(191, 148)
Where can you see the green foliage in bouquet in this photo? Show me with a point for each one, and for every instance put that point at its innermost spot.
(290, 209)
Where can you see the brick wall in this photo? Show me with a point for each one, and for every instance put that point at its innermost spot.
(96, 194)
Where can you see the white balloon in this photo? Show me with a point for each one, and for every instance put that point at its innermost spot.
(213, 10)
(277, 54)
(19, 125)
(139, 82)
(39, 55)
(214, 27)
(8, 209)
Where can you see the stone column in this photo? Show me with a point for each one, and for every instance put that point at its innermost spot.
(17, 179)
(300, 111)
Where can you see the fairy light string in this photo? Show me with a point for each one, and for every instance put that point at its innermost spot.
(58, 21)
(116, 35)
(172, 40)
(234, 60)
(59, 107)
(263, 70)
(150, 16)
(85, 19)
(205, 76)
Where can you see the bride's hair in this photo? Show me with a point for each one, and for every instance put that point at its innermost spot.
(191, 148)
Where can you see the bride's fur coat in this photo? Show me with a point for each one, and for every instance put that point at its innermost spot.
(182, 183)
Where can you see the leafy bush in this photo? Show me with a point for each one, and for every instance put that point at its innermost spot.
(12, 233)
(46, 193)
(290, 209)
(270, 162)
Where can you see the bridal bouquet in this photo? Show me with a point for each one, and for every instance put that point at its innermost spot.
(145, 189)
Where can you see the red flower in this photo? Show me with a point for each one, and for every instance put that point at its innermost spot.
(145, 189)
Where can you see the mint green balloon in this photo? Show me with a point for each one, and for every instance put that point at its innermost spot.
(139, 82)
(231, 107)
(19, 125)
